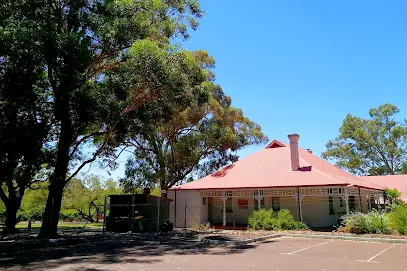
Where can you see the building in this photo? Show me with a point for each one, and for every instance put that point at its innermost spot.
(281, 176)
(398, 182)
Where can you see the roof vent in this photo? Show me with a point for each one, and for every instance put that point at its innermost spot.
(309, 150)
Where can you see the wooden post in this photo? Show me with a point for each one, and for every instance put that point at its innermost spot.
(259, 197)
(224, 198)
(175, 208)
(360, 202)
(347, 201)
(158, 214)
(104, 215)
(297, 198)
(132, 214)
(224, 212)
(369, 204)
(185, 214)
(233, 210)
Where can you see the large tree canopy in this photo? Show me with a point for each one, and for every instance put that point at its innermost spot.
(371, 146)
(25, 111)
(101, 61)
(195, 141)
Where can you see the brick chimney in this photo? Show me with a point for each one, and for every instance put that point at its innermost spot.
(295, 158)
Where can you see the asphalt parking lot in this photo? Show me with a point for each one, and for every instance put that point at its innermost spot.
(283, 253)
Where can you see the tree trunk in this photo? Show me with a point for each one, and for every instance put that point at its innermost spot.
(163, 187)
(12, 205)
(49, 227)
(11, 218)
(29, 225)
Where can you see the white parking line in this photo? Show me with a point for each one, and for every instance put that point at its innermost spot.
(381, 252)
(293, 253)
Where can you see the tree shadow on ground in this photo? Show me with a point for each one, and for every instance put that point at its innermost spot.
(219, 238)
(108, 250)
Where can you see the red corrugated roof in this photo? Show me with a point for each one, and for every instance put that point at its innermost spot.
(271, 167)
(398, 182)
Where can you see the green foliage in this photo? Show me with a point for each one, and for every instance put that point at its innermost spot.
(257, 218)
(33, 204)
(78, 55)
(80, 197)
(373, 146)
(267, 220)
(394, 197)
(399, 219)
(393, 194)
(84, 198)
(195, 140)
(373, 222)
(25, 124)
(70, 215)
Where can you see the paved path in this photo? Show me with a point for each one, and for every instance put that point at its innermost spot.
(277, 254)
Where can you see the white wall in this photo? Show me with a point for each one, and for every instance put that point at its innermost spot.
(217, 207)
(242, 213)
(291, 204)
(315, 212)
(196, 213)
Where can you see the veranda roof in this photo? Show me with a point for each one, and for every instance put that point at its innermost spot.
(398, 182)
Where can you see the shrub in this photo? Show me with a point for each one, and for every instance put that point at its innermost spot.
(399, 219)
(203, 227)
(258, 218)
(266, 220)
(373, 222)
(69, 215)
(270, 223)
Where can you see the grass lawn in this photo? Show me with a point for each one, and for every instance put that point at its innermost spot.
(62, 225)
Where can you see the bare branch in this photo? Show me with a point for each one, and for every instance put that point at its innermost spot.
(94, 157)
(83, 139)
(138, 145)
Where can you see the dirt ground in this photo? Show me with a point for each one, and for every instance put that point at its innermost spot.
(243, 235)
(175, 253)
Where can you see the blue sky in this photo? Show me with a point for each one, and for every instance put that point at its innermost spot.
(301, 66)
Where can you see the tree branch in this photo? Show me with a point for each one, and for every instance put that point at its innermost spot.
(94, 157)
(137, 145)
(83, 139)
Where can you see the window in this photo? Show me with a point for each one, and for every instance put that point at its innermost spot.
(229, 207)
(331, 206)
(204, 200)
(275, 204)
(352, 203)
(341, 202)
(243, 203)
